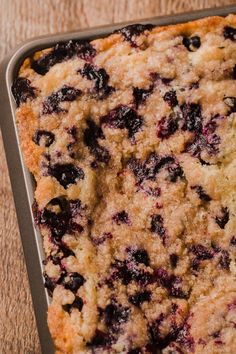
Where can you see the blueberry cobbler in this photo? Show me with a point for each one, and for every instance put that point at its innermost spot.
(132, 143)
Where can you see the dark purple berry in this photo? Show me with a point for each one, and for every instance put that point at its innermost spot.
(201, 252)
(192, 117)
(62, 52)
(173, 260)
(171, 98)
(175, 171)
(141, 256)
(132, 31)
(77, 304)
(151, 166)
(231, 103)
(140, 95)
(100, 339)
(233, 241)
(166, 127)
(100, 78)
(201, 193)
(73, 281)
(192, 43)
(225, 259)
(43, 138)
(22, 90)
(140, 297)
(229, 33)
(115, 315)
(56, 217)
(91, 136)
(123, 117)
(171, 282)
(66, 174)
(222, 219)
(49, 283)
(66, 93)
(157, 225)
(62, 252)
(128, 271)
(121, 218)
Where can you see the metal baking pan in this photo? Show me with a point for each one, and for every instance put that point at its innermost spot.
(21, 180)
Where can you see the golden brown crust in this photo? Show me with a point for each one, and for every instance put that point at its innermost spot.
(135, 194)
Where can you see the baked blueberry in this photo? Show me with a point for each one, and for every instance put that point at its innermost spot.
(22, 90)
(66, 93)
(100, 78)
(192, 43)
(192, 117)
(66, 174)
(173, 260)
(43, 138)
(73, 281)
(123, 117)
(157, 225)
(132, 31)
(121, 218)
(115, 315)
(167, 126)
(140, 255)
(170, 97)
(201, 193)
(140, 95)
(139, 298)
(91, 135)
(61, 52)
(229, 33)
(223, 218)
(77, 304)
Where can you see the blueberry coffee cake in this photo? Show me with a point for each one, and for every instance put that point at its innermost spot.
(131, 140)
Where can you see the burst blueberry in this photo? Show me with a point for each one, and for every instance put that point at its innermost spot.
(139, 298)
(121, 218)
(66, 174)
(100, 78)
(140, 95)
(91, 135)
(62, 52)
(65, 94)
(170, 97)
(167, 126)
(123, 117)
(22, 90)
(73, 281)
(132, 31)
(43, 138)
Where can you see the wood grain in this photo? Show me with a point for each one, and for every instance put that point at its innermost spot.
(20, 20)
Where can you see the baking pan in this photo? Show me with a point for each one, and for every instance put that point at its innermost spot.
(21, 180)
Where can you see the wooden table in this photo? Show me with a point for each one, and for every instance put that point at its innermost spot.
(20, 20)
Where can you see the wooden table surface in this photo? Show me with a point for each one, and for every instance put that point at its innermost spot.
(20, 20)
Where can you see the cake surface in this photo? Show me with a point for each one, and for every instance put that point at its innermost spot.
(131, 140)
